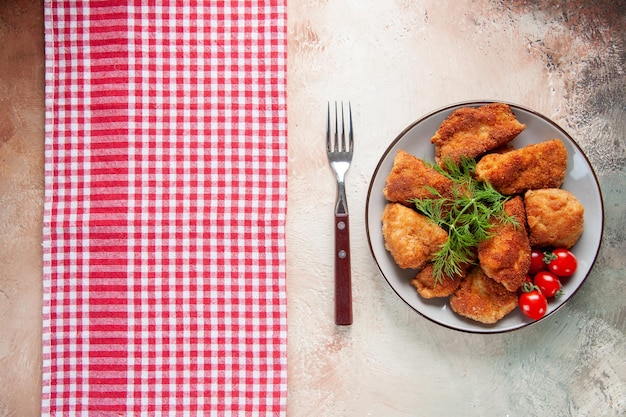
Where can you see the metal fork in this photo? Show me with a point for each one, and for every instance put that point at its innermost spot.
(339, 153)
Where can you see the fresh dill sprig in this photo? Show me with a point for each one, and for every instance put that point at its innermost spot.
(466, 216)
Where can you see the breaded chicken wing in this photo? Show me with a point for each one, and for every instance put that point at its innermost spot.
(505, 257)
(429, 287)
(540, 165)
(410, 177)
(410, 237)
(472, 132)
(555, 217)
(482, 299)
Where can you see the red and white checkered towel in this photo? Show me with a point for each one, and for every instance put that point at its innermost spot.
(166, 190)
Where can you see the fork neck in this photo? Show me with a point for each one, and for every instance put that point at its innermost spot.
(341, 207)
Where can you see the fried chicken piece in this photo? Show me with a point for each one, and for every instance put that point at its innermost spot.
(505, 257)
(410, 237)
(555, 217)
(540, 165)
(472, 132)
(429, 287)
(410, 178)
(482, 299)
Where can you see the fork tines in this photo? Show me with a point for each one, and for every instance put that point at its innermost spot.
(332, 144)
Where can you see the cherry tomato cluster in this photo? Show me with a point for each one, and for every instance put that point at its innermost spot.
(543, 281)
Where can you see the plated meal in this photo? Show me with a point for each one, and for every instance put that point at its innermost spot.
(466, 199)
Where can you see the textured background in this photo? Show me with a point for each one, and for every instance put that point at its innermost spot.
(21, 205)
(396, 60)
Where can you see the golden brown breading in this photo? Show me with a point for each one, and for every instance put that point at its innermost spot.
(555, 217)
(505, 257)
(410, 237)
(540, 165)
(471, 132)
(410, 177)
(482, 299)
(428, 287)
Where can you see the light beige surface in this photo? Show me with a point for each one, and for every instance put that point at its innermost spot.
(396, 61)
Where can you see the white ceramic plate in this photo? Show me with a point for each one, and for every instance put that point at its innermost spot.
(580, 179)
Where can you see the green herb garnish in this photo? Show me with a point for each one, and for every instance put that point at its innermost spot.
(466, 215)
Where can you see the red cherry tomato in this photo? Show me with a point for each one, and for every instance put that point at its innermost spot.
(533, 304)
(563, 264)
(536, 262)
(548, 284)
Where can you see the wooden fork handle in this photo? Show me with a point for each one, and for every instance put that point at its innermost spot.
(343, 280)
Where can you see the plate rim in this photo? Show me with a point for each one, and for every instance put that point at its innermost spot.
(475, 103)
